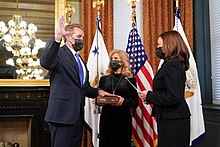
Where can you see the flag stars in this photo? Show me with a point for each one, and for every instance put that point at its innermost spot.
(95, 51)
(134, 71)
(136, 51)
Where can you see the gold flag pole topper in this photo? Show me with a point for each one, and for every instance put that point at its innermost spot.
(98, 4)
(177, 3)
(69, 10)
(133, 6)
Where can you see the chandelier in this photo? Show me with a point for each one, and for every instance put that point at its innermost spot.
(19, 39)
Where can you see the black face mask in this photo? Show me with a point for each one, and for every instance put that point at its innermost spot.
(115, 65)
(79, 43)
(159, 53)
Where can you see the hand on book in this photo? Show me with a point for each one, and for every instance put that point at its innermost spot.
(108, 99)
(120, 101)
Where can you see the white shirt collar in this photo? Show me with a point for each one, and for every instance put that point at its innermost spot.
(72, 50)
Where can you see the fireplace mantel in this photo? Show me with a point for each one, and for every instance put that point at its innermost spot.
(27, 98)
(23, 83)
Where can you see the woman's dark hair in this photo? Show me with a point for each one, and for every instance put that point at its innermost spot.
(174, 47)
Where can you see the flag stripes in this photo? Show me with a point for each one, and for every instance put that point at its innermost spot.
(147, 125)
(147, 75)
(146, 135)
(137, 135)
(147, 111)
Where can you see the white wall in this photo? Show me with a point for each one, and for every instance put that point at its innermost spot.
(122, 22)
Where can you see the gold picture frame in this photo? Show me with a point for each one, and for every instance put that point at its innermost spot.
(23, 83)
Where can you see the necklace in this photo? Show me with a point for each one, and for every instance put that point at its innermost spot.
(113, 91)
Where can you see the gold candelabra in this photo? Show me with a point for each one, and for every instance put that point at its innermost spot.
(69, 10)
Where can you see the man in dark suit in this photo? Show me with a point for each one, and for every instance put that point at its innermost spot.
(68, 86)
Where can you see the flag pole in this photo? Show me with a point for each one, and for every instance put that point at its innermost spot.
(133, 15)
(134, 24)
(98, 5)
(176, 13)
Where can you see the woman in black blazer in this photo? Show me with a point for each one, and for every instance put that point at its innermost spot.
(170, 107)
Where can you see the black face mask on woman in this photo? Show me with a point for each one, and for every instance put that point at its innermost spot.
(159, 53)
(79, 43)
(115, 65)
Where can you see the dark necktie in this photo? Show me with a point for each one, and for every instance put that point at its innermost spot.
(81, 75)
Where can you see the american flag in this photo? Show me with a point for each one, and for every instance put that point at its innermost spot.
(144, 127)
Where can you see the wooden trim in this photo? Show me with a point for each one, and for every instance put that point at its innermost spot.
(26, 6)
(23, 83)
(59, 9)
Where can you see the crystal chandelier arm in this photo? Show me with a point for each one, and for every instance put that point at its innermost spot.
(49, 56)
(17, 7)
(19, 39)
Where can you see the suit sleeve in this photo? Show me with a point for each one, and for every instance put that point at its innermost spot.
(174, 82)
(92, 92)
(133, 101)
(49, 56)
